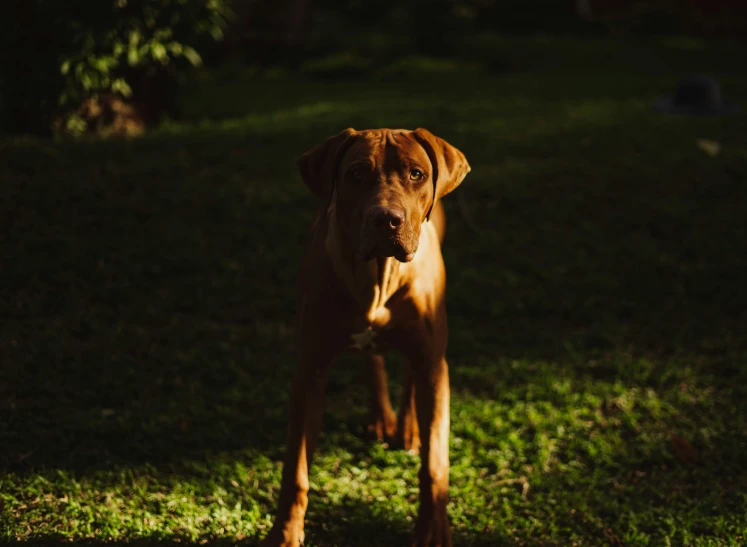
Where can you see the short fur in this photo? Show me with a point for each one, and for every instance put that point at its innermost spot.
(373, 278)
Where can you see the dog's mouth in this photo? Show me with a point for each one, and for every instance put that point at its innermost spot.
(386, 249)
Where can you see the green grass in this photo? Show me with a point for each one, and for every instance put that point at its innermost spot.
(598, 346)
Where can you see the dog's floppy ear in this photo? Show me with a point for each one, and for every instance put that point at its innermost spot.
(318, 166)
(449, 164)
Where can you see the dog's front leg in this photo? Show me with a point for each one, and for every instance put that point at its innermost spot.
(432, 411)
(305, 421)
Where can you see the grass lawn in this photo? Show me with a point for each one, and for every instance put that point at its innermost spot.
(598, 350)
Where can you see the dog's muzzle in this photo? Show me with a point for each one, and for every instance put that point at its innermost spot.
(383, 234)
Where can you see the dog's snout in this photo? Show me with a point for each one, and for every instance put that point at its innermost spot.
(388, 218)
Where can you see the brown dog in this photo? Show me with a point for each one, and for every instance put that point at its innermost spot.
(373, 278)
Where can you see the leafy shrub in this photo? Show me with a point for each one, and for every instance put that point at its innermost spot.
(60, 53)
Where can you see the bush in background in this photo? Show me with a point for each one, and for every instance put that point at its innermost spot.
(60, 54)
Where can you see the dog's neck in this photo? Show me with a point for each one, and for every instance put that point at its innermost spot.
(371, 284)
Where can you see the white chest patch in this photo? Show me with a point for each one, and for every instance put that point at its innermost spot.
(364, 339)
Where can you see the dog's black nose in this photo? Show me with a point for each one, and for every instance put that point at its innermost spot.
(390, 218)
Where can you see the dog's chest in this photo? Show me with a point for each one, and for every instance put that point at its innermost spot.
(378, 329)
(365, 339)
(368, 328)
(374, 290)
(374, 340)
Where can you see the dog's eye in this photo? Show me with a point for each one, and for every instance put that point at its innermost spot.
(358, 174)
(416, 174)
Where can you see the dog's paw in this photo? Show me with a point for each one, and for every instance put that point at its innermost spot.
(411, 443)
(434, 532)
(383, 428)
(290, 536)
(408, 436)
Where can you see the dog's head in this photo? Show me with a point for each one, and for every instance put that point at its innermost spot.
(385, 183)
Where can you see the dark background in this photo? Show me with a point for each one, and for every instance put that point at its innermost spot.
(58, 56)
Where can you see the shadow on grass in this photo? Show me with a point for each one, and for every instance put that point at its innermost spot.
(151, 301)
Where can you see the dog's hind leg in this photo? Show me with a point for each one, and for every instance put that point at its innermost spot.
(408, 433)
(383, 420)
